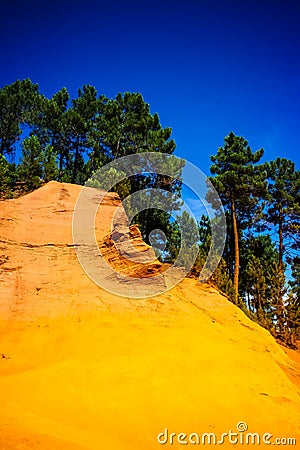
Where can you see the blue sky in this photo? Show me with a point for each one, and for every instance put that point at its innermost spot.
(206, 67)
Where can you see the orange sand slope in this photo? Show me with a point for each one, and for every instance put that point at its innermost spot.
(81, 368)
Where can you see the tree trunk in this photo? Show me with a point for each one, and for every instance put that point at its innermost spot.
(236, 250)
(2, 147)
(248, 301)
(75, 161)
(282, 310)
(60, 170)
(280, 235)
(118, 148)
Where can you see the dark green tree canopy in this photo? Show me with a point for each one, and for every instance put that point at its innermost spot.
(283, 205)
(128, 127)
(237, 177)
(19, 103)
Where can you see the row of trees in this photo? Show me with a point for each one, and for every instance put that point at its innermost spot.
(83, 133)
(262, 204)
(70, 139)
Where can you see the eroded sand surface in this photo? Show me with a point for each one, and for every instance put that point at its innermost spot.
(81, 368)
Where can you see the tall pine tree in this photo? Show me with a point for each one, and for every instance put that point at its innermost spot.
(240, 184)
(283, 206)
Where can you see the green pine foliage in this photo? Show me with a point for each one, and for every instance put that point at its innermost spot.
(31, 168)
(129, 127)
(283, 206)
(5, 178)
(293, 303)
(49, 163)
(19, 104)
(259, 269)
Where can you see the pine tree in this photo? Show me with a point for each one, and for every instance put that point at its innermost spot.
(277, 292)
(52, 130)
(18, 105)
(81, 119)
(293, 303)
(189, 240)
(125, 126)
(259, 257)
(31, 168)
(240, 185)
(128, 127)
(283, 218)
(48, 158)
(283, 206)
(4, 178)
(204, 228)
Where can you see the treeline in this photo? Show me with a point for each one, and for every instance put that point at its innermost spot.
(260, 269)
(68, 140)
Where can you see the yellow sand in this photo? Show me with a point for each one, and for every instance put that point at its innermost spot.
(83, 369)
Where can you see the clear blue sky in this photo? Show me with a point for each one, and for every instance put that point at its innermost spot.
(207, 67)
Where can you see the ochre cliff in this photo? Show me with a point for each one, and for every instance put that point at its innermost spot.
(81, 368)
